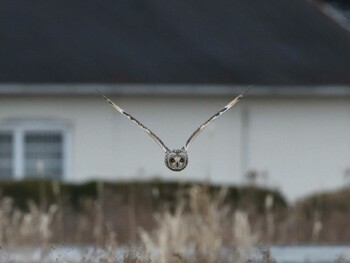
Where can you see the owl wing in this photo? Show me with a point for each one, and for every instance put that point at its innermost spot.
(205, 124)
(147, 130)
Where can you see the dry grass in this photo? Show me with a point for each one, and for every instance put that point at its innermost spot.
(17, 226)
(199, 232)
(199, 227)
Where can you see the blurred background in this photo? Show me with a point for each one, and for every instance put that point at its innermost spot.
(172, 64)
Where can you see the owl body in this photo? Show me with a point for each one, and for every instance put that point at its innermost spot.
(176, 160)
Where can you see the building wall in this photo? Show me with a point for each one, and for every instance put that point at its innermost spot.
(104, 144)
(303, 144)
(296, 144)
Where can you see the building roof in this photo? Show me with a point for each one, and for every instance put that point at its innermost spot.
(237, 42)
(90, 89)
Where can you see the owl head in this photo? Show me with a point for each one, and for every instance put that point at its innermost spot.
(176, 160)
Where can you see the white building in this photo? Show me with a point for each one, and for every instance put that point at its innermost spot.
(299, 142)
(172, 71)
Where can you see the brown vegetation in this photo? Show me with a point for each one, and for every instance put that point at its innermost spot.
(182, 222)
(86, 214)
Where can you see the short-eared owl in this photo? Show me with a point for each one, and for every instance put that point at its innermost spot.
(176, 160)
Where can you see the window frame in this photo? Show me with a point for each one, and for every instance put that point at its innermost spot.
(19, 128)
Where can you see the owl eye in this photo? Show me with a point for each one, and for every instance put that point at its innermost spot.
(181, 160)
(172, 160)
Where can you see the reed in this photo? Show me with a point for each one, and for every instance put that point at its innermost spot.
(196, 225)
(198, 230)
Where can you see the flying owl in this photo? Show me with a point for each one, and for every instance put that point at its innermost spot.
(177, 159)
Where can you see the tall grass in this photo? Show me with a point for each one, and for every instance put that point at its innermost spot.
(198, 231)
(200, 227)
(196, 225)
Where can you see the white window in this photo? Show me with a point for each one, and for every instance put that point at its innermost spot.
(43, 154)
(34, 149)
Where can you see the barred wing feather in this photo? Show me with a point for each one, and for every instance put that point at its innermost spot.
(216, 115)
(147, 130)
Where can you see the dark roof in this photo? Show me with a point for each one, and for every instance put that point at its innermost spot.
(177, 41)
(343, 4)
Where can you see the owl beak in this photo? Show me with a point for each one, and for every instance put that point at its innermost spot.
(177, 165)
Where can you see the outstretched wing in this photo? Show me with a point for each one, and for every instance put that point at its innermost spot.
(205, 124)
(147, 130)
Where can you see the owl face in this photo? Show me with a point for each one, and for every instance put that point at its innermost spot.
(176, 160)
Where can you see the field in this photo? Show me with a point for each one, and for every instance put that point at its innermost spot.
(161, 222)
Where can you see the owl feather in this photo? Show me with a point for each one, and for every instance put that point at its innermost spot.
(177, 159)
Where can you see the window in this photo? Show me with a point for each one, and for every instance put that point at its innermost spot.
(32, 149)
(6, 155)
(43, 154)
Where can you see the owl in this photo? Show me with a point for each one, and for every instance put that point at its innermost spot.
(177, 159)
